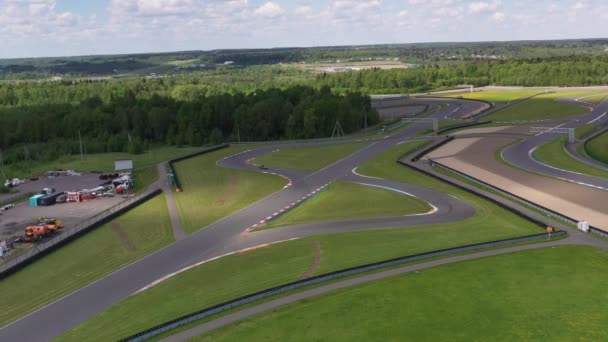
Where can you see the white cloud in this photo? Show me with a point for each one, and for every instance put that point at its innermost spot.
(482, 6)
(499, 17)
(269, 10)
(303, 10)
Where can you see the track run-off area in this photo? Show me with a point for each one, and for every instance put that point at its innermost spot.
(501, 157)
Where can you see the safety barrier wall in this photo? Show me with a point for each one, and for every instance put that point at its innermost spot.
(176, 182)
(13, 264)
(431, 148)
(458, 126)
(195, 316)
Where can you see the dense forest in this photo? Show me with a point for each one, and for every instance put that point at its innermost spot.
(129, 124)
(42, 120)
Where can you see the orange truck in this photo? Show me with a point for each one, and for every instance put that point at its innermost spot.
(52, 224)
(45, 227)
(34, 233)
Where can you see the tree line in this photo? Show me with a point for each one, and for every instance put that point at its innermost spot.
(130, 124)
(562, 71)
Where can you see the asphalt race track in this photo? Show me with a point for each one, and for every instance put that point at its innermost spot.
(231, 233)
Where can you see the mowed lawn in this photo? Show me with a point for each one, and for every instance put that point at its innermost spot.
(524, 296)
(597, 148)
(596, 99)
(554, 154)
(307, 158)
(103, 162)
(212, 192)
(145, 177)
(125, 239)
(504, 96)
(541, 107)
(245, 273)
(341, 201)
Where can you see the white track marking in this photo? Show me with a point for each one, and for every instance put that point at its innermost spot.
(432, 211)
(171, 275)
(598, 118)
(354, 171)
(550, 129)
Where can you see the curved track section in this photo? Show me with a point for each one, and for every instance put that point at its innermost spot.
(520, 155)
(229, 234)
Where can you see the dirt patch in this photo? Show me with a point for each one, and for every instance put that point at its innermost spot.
(122, 235)
(316, 262)
(234, 181)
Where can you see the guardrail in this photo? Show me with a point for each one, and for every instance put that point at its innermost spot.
(464, 125)
(431, 148)
(40, 249)
(545, 211)
(206, 312)
(176, 181)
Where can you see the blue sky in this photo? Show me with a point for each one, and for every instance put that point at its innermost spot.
(33, 28)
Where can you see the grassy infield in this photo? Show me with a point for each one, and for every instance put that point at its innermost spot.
(598, 148)
(245, 273)
(341, 201)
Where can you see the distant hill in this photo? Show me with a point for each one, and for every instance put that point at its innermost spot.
(172, 62)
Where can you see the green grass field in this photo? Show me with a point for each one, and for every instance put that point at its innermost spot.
(145, 177)
(505, 96)
(307, 158)
(596, 99)
(125, 239)
(582, 131)
(541, 107)
(530, 295)
(597, 148)
(98, 162)
(554, 154)
(240, 274)
(341, 201)
(212, 192)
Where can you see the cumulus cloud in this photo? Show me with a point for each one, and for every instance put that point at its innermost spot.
(40, 27)
(269, 10)
(482, 6)
(499, 17)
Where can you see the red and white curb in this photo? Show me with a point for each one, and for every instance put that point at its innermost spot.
(433, 210)
(171, 275)
(289, 182)
(286, 208)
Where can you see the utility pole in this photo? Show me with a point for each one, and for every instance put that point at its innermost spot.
(80, 141)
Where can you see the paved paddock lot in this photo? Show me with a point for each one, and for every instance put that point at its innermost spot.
(14, 221)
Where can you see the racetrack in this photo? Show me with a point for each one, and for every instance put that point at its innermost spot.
(231, 233)
(476, 157)
(228, 234)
